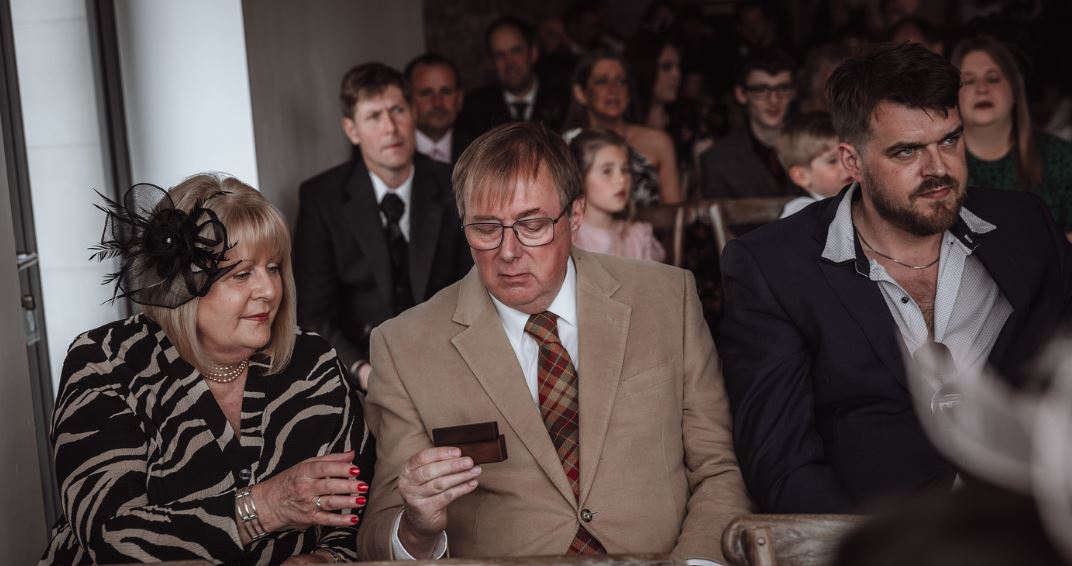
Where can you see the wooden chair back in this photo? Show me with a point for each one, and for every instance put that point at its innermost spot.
(668, 222)
(726, 213)
(786, 540)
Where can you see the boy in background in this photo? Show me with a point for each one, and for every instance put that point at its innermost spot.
(808, 149)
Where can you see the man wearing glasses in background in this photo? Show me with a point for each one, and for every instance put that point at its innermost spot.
(599, 372)
(744, 163)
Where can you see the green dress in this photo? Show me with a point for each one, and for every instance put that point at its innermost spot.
(1056, 187)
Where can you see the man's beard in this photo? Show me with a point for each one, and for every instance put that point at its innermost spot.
(932, 218)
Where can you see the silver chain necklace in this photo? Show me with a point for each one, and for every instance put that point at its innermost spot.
(225, 374)
(901, 263)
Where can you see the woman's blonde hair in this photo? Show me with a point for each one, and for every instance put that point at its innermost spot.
(584, 148)
(259, 228)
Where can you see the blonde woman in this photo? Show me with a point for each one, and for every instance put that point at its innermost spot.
(208, 427)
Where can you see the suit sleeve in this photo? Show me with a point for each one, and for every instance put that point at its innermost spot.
(767, 367)
(400, 433)
(319, 289)
(101, 455)
(717, 490)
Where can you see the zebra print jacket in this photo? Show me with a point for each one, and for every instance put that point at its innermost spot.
(148, 465)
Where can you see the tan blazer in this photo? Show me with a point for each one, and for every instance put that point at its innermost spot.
(658, 472)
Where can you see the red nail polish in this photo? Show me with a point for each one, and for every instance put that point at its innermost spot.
(363, 488)
(360, 500)
(354, 519)
(355, 470)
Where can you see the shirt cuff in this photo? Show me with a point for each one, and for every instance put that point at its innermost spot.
(701, 562)
(400, 552)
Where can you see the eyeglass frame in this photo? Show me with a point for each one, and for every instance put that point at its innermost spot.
(764, 92)
(513, 228)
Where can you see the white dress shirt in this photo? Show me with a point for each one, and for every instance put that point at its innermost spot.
(529, 98)
(528, 357)
(404, 191)
(437, 150)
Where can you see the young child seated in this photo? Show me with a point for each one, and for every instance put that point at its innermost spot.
(808, 149)
(608, 227)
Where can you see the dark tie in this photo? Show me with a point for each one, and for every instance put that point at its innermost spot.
(392, 208)
(557, 383)
(519, 110)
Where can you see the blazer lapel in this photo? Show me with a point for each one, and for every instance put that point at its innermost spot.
(1005, 270)
(861, 296)
(362, 214)
(486, 349)
(426, 216)
(603, 328)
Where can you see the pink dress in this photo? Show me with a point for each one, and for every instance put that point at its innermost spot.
(633, 240)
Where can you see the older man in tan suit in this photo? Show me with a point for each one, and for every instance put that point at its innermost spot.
(600, 372)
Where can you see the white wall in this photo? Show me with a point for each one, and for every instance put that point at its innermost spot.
(63, 146)
(186, 89)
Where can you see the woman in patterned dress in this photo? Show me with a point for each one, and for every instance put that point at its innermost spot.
(208, 427)
(600, 102)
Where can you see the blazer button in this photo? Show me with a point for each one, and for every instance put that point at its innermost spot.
(586, 515)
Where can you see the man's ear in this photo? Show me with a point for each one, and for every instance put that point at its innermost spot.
(851, 160)
(458, 102)
(349, 127)
(577, 213)
(800, 175)
(739, 95)
(534, 54)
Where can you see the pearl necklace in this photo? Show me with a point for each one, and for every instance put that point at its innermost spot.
(225, 374)
(901, 263)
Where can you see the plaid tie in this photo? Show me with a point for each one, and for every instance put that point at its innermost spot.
(558, 403)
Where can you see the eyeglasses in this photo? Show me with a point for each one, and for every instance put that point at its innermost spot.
(531, 232)
(758, 92)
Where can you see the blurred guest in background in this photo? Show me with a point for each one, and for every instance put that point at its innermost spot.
(808, 149)
(209, 427)
(918, 30)
(375, 235)
(608, 228)
(1004, 150)
(745, 163)
(518, 94)
(658, 78)
(601, 100)
(819, 64)
(437, 99)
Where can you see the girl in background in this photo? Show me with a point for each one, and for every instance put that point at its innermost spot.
(608, 228)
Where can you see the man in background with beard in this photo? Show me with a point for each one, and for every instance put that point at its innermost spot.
(820, 306)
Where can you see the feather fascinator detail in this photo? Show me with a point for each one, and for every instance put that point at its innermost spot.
(167, 256)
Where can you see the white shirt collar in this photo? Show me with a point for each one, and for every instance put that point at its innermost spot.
(404, 191)
(426, 146)
(564, 306)
(529, 98)
(841, 239)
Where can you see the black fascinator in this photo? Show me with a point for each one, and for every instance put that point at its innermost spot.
(167, 255)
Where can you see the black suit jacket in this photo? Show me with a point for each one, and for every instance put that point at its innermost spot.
(341, 262)
(485, 107)
(731, 168)
(823, 420)
(460, 139)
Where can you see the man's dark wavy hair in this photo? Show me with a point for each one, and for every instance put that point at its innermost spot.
(905, 73)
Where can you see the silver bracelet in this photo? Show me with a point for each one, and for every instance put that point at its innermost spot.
(335, 556)
(247, 511)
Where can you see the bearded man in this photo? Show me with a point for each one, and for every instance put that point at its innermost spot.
(821, 305)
